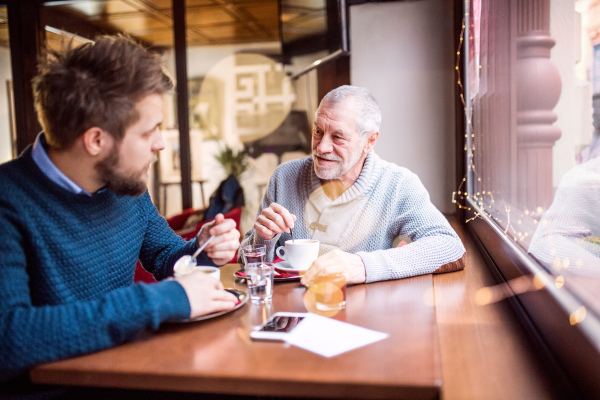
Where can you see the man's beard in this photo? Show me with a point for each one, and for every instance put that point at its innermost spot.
(120, 184)
(336, 171)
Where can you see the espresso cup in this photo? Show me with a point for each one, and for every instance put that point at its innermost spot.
(209, 270)
(206, 269)
(299, 253)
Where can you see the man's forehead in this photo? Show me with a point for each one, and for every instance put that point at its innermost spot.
(334, 126)
(340, 117)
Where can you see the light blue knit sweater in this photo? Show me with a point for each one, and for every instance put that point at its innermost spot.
(397, 204)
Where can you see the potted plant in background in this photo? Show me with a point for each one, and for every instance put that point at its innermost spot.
(234, 162)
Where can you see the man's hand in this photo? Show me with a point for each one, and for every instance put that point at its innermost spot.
(205, 294)
(273, 220)
(336, 261)
(227, 239)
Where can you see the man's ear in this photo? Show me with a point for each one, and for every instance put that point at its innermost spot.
(96, 141)
(371, 140)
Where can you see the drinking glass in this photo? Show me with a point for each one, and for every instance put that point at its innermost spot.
(260, 313)
(260, 281)
(326, 295)
(254, 253)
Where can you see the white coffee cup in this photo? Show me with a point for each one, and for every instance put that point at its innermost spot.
(207, 269)
(300, 253)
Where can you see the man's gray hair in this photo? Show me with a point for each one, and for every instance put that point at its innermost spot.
(368, 114)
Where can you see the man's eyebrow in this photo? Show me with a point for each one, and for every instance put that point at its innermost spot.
(154, 127)
(339, 132)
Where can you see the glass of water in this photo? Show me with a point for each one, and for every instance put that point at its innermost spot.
(260, 281)
(254, 253)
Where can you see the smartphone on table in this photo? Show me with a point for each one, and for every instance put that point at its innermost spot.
(278, 326)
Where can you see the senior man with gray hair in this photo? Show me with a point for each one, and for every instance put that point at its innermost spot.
(357, 205)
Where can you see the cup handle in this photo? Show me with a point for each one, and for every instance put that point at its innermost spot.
(281, 252)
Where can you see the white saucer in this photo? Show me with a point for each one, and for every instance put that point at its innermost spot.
(287, 267)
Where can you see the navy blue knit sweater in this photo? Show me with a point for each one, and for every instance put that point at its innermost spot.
(66, 269)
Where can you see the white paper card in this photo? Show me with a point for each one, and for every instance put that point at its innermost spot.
(329, 337)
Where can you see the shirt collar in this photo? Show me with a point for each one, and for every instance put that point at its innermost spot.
(40, 157)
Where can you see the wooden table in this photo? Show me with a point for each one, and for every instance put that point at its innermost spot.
(217, 355)
(485, 351)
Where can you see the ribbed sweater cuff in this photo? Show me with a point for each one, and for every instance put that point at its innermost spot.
(376, 268)
(174, 303)
(269, 242)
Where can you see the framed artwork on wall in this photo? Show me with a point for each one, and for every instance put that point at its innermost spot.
(169, 157)
(205, 102)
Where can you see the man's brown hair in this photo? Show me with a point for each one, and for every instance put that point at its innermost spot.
(95, 85)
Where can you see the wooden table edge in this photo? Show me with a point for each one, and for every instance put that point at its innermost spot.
(249, 387)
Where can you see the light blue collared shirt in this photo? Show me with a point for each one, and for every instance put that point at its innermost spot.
(40, 157)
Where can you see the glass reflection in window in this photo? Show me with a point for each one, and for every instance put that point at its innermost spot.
(534, 146)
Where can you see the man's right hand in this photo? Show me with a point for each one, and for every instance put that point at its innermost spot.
(273, 220)
(205, 294)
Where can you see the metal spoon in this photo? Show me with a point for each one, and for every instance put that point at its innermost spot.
(201, 248)
(292, 233)
(185, 261)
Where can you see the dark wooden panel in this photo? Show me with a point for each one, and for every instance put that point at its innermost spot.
(332, 74)
(183, 121)
(26, 38)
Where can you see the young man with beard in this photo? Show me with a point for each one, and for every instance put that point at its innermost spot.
(358, 206)
(75, 215)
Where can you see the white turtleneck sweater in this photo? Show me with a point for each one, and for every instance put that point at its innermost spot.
(387, 202)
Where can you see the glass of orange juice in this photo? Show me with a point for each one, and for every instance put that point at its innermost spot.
(328, 292)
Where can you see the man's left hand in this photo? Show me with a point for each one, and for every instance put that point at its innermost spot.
(336, 261)
(226, 239)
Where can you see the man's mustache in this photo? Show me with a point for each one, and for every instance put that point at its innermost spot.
(328, 156)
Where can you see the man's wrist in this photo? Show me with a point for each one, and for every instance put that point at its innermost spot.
(360, 268)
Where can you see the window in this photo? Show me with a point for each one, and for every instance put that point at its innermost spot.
(532, 183)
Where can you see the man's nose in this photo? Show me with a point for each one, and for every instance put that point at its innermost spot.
(325, 145)
(158, 144)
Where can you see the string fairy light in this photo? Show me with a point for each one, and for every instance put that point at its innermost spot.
(460, 196)
(485, 202)
(483, 198)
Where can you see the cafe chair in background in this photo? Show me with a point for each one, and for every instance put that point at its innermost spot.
(179, 221)
(228, 196)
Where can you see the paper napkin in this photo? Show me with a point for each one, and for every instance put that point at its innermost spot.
(329, 337)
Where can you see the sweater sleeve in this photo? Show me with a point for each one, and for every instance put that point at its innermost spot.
(162, 247)
(435, 247)
(32, 333)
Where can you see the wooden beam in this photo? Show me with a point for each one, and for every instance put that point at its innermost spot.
(332, 74)
(74, 23)
(182, 102)
(26, 40)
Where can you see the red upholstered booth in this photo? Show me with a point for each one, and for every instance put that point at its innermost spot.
(176, 223)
